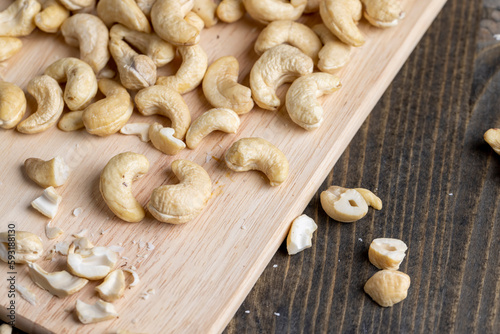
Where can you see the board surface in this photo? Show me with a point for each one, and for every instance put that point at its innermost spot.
(200, 271)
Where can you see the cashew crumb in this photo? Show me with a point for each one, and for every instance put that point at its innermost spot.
(276, 314)
(142, 244)
(133, 268)
(247, 311)
(275, 266)
(80, 234)
(243, 227)
(360, 239)
(208, 157)
(150, 246)
(27, 294)
(105, 231)
(125, 258)
(497, 37)
(77, 211)
(116, 249)
(451, 194)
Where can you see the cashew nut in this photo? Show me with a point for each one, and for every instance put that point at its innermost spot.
(125, 12)
(113, 286)
(81, 83)
(492, 137)
(12, 105)
(51, 173)
(230, 10)
(51, 17)
(77, 4)
(48, 203)
(20, 247)
(370, 198)
(5, 329)
(334, 54)
(301, 98)
(60, 283)
(341, 18)
(168, 19)
(166, 102)
(206, 10)
(49, 97)
(92, 313)
(110, 114)
(266, 11)
(90, 34)
(163, 139)
(93, 264)
(258, 154)
(221, 119)
(387, 253)
(139, 129)
(18, 18)
(343, 205)
(145, 6)
(289, 32)
(71, 121)
(182, 202)
(190, 73)
(195, 20)
(388, 287)
(383, 13)
(312, 6)
(280, 64)
(9, 46)
(27, 295)
(300, 234)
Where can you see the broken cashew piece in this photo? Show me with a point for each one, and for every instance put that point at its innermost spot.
(74, 5)
(50, 173)
(97, 312)
(258, 154)
(5, 329)
(51, 17)
(48, 203)
(371, 199)
(343, 205)
(388, 287)
(205, 9)
(300, 234)
(301, 98)
(266, 11)
(93, 263)
(9, 46)
(168, 20)
(125, 12)
(26, 246)
(141, 130)
(163, 139)
(12, 105)
(60, 283)
(334, 54)
(113, 286)
(230, 11)
(341, 18)
(220, 119)
(383, 13)
(71, 121)
(387, 253)
(53, 232)
(19, 18)
(492, 137)
(182, 202)
(280, 64)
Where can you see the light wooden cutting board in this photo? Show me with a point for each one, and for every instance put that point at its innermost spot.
(200, 271)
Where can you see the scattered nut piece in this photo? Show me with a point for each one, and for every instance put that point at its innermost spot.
(92, 313)
(300, 235)
(135, 277)
(93, 264)
(383, 13)
(266, 11)
(27, 294)
(5, 329)
(371, 199)
(60, 283)
(168, 20)
(62, 248)
(53, 232)
(71, 121)
(125, 12)
(12, 104)
(341, 18)
(50, 173)
(48, 203)
(492, 137)
(83, 232)
(387, 253)
(113, 286)
(206, 10)
(139, 129)
(230, 10)
(163, 139)
(21, 247)
(9, 46)
(51, 17)
(76, 213)
(221, 119)
(18, 19)
(334, 54)
(343, 205)
(388, 287)
(82, 243)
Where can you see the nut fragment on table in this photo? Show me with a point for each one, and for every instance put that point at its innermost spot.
(93, 264)
(300, 234)
(343, 205)
(60, 283)
(51, 17)
(387, 253)
(113, 286)
(388, 287)
(19, 18)
(48, 203)
(53, 232)
(139, 129)
(92, 313)
(50, 173)
(371, 199)
(20, 247)
(26, 294)
(12, 104)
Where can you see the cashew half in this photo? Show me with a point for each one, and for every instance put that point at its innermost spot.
(301, 98)
(9, 46)
(110, 114)
(97, 312)
(93, 264)
(230, 10)
(12, 105)
(60, 283)
(20, 247)
(116, 185)
(300, 234)
(51, 17)
(18, 19)
(312, 6)
(206, 10)
(51, 173)
(49, 97)
(90, 34)
(387, 253)
(343, 205)
(221, 119)
(221, 87)
(334, 54)
(168, 19)
(77, 4)
(163, 139)
(166, 102)
(125, 12)
(341, 18)
(258, 154)
(266, 11)
(280, 64)
(71, 121)
(289, 32)
(388, 287)
(182, 202)
(383, 13)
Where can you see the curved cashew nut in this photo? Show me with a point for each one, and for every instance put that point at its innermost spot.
(116, 185)
(383, 13)
(230, 10)
(51, 17)
(163, 139)
(168, 19)
(49, 97)
(71, 121)
(343, 205)
(18, 19)
(180, 203)
(221, 87)
(312, 6)
(166, 102)
(289, 32)
(215, 119)
(341, 17)
(81, 83)
(258, 154)
(9, 46)
(492, 137)
(195, 20)
(266, 11)
(90, 34)
(280, 64)
(190, 73)
(301, 98)
(125, 12)
(206, 10)
(334, 54)
(12, 105)
(77, 4)
(110, 114)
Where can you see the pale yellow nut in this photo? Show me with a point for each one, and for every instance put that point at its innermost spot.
(19, 18)
(97, 312)
(93, 263)
(343, 205)
(51, 17)
(74, 5)
(163, 139)
(195, 20)
(341, 18)
(387, 253)
(71, 121)
(334, 54)
(125, 12)
(90, 34)
(113, 286)
(301, 98)
(27, 295)
(217, 119)
(24, 246)
(312, 6)
(12, 105)
(388, 287)
(182, 202)
(258, 154)
(266, 11)
(230, 10)
(81, 83)
(206, 10)
(383, 13)
(300, 234)
(166, 102)
(53, 232)
(48, 203)
(5, 329)
(168, 20)
(49, 97)
(9, 46)
(139, 129)
(109, 115)
(278, 65)
(145, 6)
(289, 32)
(116, 185)
(221, 87)
(48, 173)
(371, 199)
(492, 137)
(60, 283)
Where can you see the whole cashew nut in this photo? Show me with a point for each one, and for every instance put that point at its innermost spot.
(166, 102)
(334, 54)
(301, 98)
(266, 11)
(280, 64)
(49, 97)
(168, 19)
(51, 17)
(71, 121)
(77, 4)
(230, 10)
(9, 46)
(12, 105)
(18, 19)
(163, 139)
(182, 202)
(383, 13)
(116, 185)
(206, 10)
(221, 87)
(215, 119)
(125, 12)
(81, 83)
(341, 18)
(110, 114)
(258, 154)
